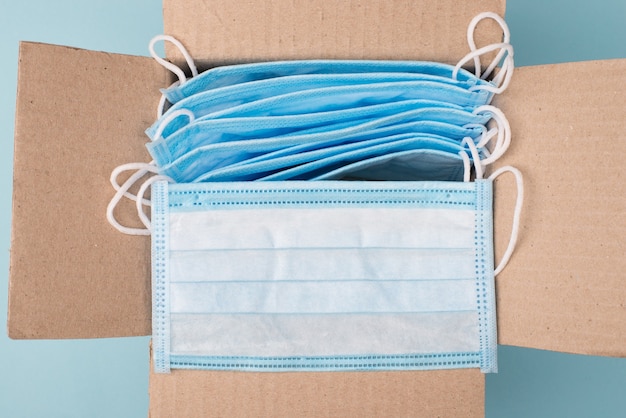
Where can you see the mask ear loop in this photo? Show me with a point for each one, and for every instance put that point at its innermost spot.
(467, 166)
(519, 181)
(478, 166)
(471, 29)
(158, 134)
(503, 133)
(503, 79)
(142, 169)
(182, 78)
(168, 65)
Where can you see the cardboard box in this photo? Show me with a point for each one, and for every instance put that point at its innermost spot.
(569, 300)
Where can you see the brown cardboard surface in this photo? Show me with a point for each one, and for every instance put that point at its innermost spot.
(256, 30)
(72, 275)
(193, 393)
(565, 287)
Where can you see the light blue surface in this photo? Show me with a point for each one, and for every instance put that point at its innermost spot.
(108, 378)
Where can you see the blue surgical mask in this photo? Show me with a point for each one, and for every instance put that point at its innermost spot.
(211, 131)
(305, 276)
(375, 133)
(314, 94)
(237, 74)
(308, 165)
(203, 159)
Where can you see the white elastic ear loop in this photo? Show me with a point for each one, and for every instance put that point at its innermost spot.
(471, 28)
(504, 133)
(122, 191)
(142, 190)
(172, 67)
(506, 70)
(503, 78)
(169, 118)
(483, 134)
(141, 170)
(478, 167)
(519, 181)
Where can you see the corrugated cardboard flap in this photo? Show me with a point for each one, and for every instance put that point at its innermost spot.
(440, 393)
(565, 287)
(219, 32)
(79, 114)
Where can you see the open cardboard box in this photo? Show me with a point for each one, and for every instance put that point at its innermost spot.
(563, 289)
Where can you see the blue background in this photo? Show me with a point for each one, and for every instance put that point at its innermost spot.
(109, 377)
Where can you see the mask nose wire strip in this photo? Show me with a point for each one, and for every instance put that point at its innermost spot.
(519, 181)
(168, 65)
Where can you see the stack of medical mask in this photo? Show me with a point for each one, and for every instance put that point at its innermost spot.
(323, 126)
(321, 120)
(288, 274)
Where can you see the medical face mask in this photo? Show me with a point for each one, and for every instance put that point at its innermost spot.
(213, 131)
(308, 165)
(295, 276)
(201, 160)
(348, 91)
(237, 74)
(323, 276)
(334, 100)
(226, 76)
(331, 145)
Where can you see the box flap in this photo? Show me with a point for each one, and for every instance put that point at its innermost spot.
(228, 31)
(78, 115)
(441, 393)
(565, 287)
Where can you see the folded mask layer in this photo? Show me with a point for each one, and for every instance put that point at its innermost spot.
(235, 74)
(323, 276)
(295, 95)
